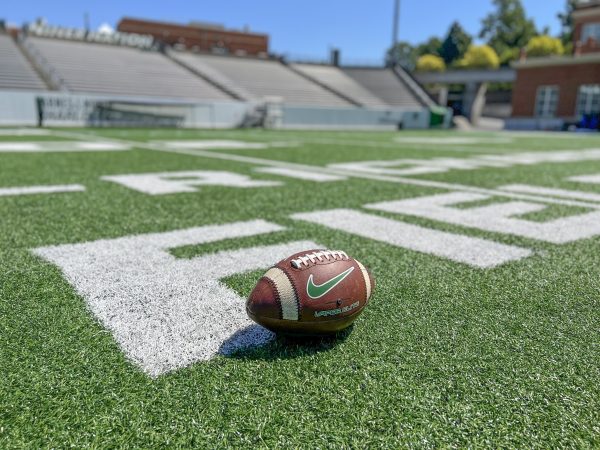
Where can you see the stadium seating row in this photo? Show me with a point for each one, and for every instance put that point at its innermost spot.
(15, 70)
(84, 67)
(111, 69)
(262, 78)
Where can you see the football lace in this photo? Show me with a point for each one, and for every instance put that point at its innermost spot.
(319, 256)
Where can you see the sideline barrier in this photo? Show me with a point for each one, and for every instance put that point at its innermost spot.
(52, 108)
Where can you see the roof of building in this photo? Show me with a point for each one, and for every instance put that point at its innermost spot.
(547, 61)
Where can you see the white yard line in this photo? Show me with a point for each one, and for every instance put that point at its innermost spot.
(347, 173)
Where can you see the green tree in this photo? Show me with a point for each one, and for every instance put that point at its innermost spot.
(430, 63)
(566, 20)
(545, 46)
(456, 44)
(404, 54)
(507, 27)
(480, 57)
(430, 47)
(509, 55)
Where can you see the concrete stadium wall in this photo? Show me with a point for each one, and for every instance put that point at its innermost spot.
(18, 108)
(533, 123)
(329, 118)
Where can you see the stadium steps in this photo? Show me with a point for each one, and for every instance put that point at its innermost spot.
(118, 70)
(416, 88)
(311, 76)
(16, 72)
(263, 78)
(335, 79)
(195, 65)
(387, 85)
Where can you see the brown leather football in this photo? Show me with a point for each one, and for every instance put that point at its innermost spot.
(311, 293)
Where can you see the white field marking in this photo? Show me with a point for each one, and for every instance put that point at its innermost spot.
(319, 177)
(19, 147)
(212, 144)
(453, 140)
(60, 146)
(591, 179)
(330, 170)
(284, 144)
(476, 252)
(496, 218)
(539, 190)
(439, 165)
(165, 312)
(161, 183)
(49, 189)
(375, 144)
(542, 134)
(225, 144)
(359, 142)
(23, 132)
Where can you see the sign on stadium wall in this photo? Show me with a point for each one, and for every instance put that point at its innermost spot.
(60, 110)
(75, 34)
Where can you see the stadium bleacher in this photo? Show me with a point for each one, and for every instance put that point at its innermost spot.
(102, 70)
(263, 78)
(120, 70)
(15, 70)
(199, 67)
(385, 84)
(337, 80)
(89, 67)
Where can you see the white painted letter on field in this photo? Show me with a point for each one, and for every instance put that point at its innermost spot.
(167, 312)
(497, 217)
(160, 183)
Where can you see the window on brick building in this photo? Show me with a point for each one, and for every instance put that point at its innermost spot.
(588, 99)
(546, 101)
(590, 31)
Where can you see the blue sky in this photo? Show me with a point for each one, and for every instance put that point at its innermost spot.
(303, 28)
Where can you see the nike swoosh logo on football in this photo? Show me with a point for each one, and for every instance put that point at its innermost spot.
(319, 290)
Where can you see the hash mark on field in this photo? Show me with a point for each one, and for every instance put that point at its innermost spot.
(453, 140)
(50, 189)
(23, 132)
(212, 144)
(61, 146)
(476, 252)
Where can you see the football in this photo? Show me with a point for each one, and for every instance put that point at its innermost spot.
(314, 292)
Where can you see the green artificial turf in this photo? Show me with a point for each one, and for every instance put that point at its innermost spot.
(445, 355)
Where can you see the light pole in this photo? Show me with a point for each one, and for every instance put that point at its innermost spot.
(396, 20)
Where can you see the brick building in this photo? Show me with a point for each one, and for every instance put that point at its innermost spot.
(556, 92)
(200, 36)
